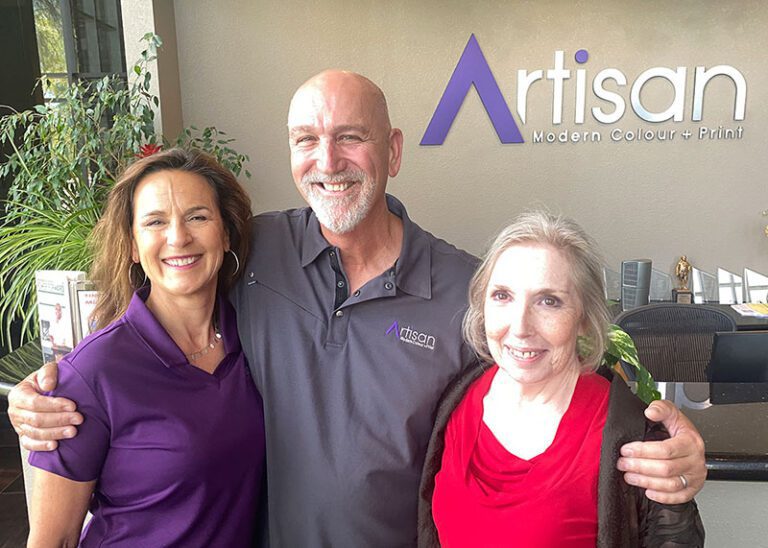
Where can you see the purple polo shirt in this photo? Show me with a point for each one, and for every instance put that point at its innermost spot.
(178, 453)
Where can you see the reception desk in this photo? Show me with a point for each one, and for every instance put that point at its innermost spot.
(735, 434)
(743, 323)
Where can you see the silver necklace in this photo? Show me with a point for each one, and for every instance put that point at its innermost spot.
(215, 340)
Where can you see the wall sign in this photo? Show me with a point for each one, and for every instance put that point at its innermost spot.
(473, 70)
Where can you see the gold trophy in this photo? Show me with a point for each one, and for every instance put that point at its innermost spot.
(683, 295)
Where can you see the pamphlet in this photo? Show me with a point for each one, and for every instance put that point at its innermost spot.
(58, 334)
(757, 310)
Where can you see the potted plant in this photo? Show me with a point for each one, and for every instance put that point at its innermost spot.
(65, 158)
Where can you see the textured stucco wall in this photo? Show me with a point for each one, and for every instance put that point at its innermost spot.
(240, 61)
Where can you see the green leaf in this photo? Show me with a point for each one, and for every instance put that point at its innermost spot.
(620, 346)
(16, 366)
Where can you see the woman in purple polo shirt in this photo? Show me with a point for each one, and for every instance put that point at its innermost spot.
(171, 449)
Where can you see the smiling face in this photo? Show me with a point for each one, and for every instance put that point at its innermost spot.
(342, 148)
(533, 314)
(178, 234)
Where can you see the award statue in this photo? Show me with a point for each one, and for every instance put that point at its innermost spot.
(682, 294)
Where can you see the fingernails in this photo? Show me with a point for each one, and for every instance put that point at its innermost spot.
(631, 479)
(46, 384)
(77, 419)
(627, 451)
(621, 464)
(69, 432)
(49, 446)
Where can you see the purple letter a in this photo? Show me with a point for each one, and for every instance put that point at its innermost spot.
(472, 69)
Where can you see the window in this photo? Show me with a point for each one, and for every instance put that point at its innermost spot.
(78, 40)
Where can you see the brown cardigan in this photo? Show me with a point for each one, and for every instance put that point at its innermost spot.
(626, 517)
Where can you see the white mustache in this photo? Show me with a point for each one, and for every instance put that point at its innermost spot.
(349, 176)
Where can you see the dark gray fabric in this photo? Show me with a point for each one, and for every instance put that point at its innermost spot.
(626, 517)
(349, 391)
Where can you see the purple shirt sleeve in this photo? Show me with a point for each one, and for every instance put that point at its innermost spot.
(79, 458)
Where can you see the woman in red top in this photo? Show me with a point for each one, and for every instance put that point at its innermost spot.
(524, 450)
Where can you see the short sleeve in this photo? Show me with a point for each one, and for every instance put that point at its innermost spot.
(79, 458)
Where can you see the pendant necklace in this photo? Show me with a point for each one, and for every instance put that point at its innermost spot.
(215, 340)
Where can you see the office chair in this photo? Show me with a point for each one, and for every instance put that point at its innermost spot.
(674, 341)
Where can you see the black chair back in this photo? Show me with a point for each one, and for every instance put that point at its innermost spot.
(674, 341)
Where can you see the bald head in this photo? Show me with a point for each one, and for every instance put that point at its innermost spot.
(335, 87)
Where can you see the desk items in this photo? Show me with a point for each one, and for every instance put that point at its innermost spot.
(612, 285)
(755, 286)
(705, 290)
(682, 294)
(661, 286)
(731, 287)
(635, 283)
(755, 310)
(639, 283)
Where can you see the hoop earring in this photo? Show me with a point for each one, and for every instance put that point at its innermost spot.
(130, 276)
(237, 262)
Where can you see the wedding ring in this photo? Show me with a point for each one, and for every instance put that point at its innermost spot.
(683, 481)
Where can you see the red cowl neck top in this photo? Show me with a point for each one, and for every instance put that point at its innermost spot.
(486, 496)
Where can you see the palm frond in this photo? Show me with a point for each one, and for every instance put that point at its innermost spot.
(18, 364)
(48, 239)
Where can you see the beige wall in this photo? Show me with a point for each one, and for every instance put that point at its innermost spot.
(240, 61)
(139, 18)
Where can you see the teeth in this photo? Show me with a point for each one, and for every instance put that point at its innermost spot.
(524, 354)
(181, 262)
(337, 187)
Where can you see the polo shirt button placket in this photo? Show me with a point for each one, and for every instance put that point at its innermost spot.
(337, 330)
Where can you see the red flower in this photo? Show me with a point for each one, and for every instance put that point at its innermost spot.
(148, 150)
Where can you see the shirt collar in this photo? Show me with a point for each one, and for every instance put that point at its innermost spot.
(413, 272)
(141, 319)
(313, 243)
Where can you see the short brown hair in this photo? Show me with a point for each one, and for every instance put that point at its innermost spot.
(113, 271)
(565, 235)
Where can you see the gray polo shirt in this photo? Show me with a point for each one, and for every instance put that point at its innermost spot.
(350, 382)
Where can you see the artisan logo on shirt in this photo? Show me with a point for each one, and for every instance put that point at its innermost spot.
(410, 335)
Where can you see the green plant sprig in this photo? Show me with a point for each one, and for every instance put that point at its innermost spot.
(621, 347)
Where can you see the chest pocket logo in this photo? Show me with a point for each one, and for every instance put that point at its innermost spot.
(409, 335)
